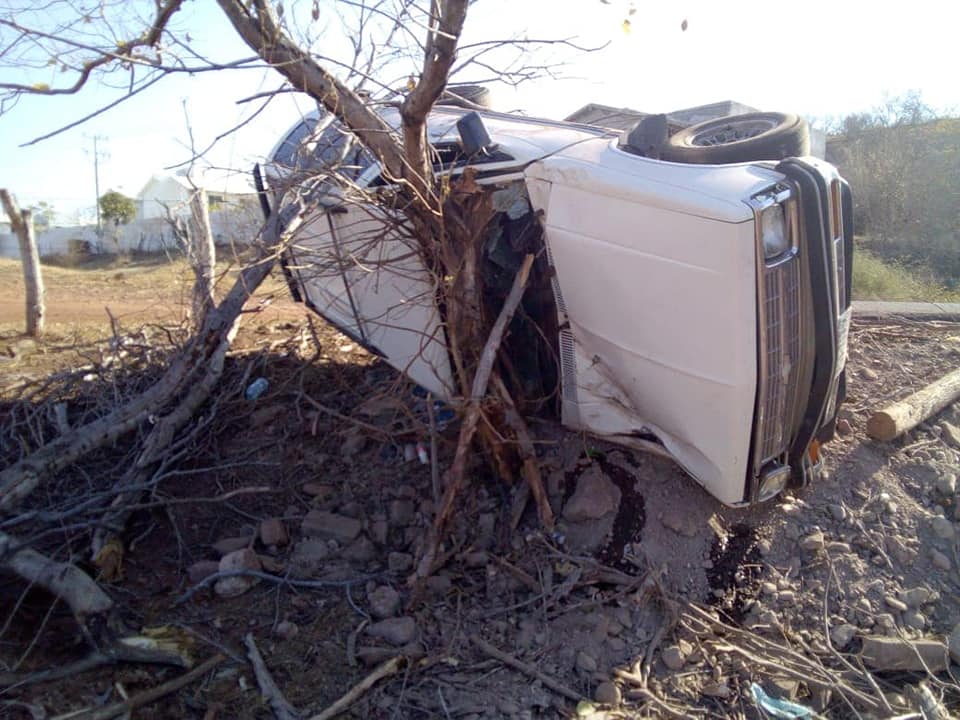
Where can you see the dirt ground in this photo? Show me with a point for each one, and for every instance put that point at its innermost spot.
(649, 600)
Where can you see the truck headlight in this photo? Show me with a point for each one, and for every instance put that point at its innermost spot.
(773, 231)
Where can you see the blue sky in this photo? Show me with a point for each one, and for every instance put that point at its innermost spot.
(818, 58)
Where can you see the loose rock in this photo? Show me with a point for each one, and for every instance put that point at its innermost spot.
(813, 542)
(245, 559)
(227, 545)
(673, 657)
(202, 569)
(943, 528)
(361, 550)
(273, 532)
(946, 484)
(917, 597)
(680, 522)
(891, 653)
(586, 663)
(287, 630)
(914, 619)
(940, 561)
(842, 635)
(308, 557)
(595, 496)
(717, 690)
(321, 524)
(396, 631)
(837, 512)
(608, 693)
(384, 602)
(895, 603)
(951, 433)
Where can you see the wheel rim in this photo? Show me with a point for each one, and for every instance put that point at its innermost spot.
(732, 132)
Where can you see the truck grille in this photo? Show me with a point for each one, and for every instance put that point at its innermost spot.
(780, 357)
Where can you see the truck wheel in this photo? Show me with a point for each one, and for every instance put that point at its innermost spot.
(740, 138)
(468, 96)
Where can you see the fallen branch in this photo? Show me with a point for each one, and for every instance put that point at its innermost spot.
(898, 418)
(282, 709)
(152, 648)
(121, 708)
(471, 418)
(23, 477)
(526, 669)
(253, 490)
(161, 436)
(531, 467)
(390, 667)
(210, 579)
(88, 602)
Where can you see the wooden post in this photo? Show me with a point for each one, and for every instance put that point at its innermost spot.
(203, 254)
(22, 223)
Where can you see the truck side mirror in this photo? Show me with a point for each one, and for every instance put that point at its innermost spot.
(473, 135)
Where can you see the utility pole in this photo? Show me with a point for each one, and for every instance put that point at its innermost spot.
(97, 155)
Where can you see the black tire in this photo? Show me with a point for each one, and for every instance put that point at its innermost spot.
(466, 96)
(740, 138)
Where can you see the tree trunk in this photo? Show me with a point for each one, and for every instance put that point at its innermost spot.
(22, 223)
(203, 254)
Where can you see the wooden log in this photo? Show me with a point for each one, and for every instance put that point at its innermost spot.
(896, 419)
(21, 221)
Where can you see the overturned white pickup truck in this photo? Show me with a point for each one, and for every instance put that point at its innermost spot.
(695, 289)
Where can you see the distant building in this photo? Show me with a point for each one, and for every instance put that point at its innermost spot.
(625, 118)
(163, 192)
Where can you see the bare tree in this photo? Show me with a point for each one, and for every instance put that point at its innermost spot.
(441, 222)
(21, 221)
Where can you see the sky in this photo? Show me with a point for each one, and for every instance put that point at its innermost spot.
(820, 58)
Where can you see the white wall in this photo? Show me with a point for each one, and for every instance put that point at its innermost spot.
(231, 226)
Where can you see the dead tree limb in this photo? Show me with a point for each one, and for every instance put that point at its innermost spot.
(89, 604)
(158, 441)
(127, 706)
(468, 429)
(203, 254)
(20, 479)
(894, 420)
(282, 709)
(531, 467)
(21, 221)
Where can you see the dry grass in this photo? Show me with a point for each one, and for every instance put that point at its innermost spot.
(877, 279)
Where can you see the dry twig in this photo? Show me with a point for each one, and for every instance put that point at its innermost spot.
(526, 669)
(390, 667)
(122, 708)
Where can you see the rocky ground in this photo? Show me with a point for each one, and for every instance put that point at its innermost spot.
(650, 599)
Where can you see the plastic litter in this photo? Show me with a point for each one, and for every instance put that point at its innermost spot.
(257, 388)
(422, 454)
(778, 708)
(443, 414)
(409, 452)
